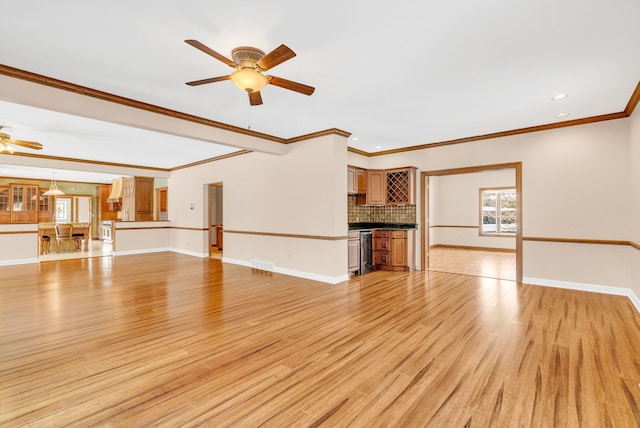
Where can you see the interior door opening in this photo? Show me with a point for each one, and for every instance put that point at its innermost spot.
(450, 242)
(216, 227)
(77, 210)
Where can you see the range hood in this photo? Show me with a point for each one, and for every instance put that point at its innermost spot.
(116, 191)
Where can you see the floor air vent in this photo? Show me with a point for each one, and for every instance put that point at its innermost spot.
(259, 264)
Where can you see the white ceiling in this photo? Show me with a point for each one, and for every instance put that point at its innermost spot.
(395, 75)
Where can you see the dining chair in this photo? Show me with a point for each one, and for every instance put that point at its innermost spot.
(64, 232)
(46, 244)
(78, 237)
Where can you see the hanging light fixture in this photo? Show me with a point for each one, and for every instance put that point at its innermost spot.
(53, 189)
(6, 148)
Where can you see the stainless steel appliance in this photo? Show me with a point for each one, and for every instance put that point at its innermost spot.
(366, 251)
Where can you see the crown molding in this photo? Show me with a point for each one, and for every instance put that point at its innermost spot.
(331, 131)
(630, 107)
(94, 93)
(217, 158)
(92, 162)
(106, 96)
(633, 101)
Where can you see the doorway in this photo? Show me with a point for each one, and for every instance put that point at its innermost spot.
(216, 220)
(73, 209)
(457, 256)
(78, 210)
(162, 203)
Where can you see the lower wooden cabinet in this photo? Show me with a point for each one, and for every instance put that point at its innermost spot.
(394, 250)
(353, 250)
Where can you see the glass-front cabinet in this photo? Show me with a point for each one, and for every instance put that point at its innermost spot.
(44, 215)
(24, 199)
(5, 205)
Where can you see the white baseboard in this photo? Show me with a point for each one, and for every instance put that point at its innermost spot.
(142, 251)
(593, 288)
(160, 250)
(293, 272)
(18, 262)
(189, 253)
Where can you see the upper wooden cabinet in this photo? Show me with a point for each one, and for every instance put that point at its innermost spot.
(376, 186)
(44, 203)
(24, 203)
(383, 186)
(356, 180)
(5, 204)
(137, 199)
(401, 186)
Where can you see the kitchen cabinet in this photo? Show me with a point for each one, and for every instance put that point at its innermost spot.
(44, 204)
(387, 187)
(356, 180)
(5, 205)
(399, 249)
(394, 250)
(105, 212)
(137, 199)
(376, 186)
(381, 249)
(400, 186)
(353, 251)
(24, 203)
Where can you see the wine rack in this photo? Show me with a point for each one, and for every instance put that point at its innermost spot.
(400, 186)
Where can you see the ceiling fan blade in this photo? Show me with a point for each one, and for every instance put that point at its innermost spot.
(255, 99)
(27, 144)
(292, 86)
(277, 56)
(209, 80)
(196, 44)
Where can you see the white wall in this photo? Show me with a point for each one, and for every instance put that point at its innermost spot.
(301, 193)
(18, 244)
(133, 237)
(572, 177)
(455, 208)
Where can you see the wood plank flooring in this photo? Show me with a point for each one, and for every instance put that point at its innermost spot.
(170, 340)
(490, 264)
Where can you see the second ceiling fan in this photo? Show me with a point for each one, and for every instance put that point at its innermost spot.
(249, 64)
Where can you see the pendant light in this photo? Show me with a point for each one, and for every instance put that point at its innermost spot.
(53, 189)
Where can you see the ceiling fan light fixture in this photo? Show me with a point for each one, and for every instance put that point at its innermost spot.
(249, 80)
(6, 148)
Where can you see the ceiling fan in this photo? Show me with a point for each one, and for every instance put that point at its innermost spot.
(6, 143)
(249, 63)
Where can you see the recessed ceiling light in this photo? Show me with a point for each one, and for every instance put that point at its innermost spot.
(562, 114)
(354, 138)
(378, 147)
(559, 97)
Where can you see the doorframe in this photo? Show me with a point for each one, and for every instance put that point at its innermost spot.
(424, 216)
(211, 227)
(158, 191)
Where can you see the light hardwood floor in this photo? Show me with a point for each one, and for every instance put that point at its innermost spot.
(490, 264)
(170, 340)
(95, 249)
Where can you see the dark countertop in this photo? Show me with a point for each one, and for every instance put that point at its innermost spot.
(371, 226)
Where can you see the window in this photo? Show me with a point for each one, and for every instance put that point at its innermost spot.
(498, 211)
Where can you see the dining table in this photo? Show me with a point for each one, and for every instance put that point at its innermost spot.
(49, 229)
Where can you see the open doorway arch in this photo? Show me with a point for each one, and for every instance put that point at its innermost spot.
(425, 220)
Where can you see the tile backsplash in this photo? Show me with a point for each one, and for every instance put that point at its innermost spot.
(380, 214)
